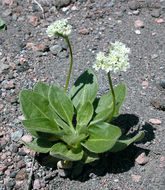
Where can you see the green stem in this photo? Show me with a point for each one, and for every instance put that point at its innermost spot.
(71, 62)
(113, 96)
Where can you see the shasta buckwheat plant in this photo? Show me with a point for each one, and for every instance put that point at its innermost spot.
(75, 126)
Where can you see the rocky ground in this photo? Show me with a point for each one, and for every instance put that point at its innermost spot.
(27, 56)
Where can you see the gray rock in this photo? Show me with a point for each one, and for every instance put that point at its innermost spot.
(162, 83)
(3, 67)
(134, 5)
(155, 13)
(17, 135)
(61, 3)
(56, 49)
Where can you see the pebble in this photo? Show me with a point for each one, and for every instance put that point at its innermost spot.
(21, 164)
(155, 13)
(144, 83)
(84, 31)
(56, 49)
(3, 168)
(142, 159)
(137, 32)
(162, 83)
(21, 175)
(133, 5)
(34, 21)
(3, 67)
(136, 178)
(139, 24)
(27, 138)
(61, 3)
(36, 184)
(155, 121)
(43, 47)
(154, 56)
(160, 20)
(17, 135)
(7, 13)
(158, 103)
(13, 174)
(9, 85)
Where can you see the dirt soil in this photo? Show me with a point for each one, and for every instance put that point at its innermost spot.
(28, 55)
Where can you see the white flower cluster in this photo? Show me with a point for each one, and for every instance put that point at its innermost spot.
(116, 61)
(59, 27)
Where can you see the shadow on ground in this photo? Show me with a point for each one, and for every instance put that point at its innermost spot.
(111, 162)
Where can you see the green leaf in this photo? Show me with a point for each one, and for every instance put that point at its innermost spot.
(34, 106)
(41, 145)
(84, 114)
(84, 89)
(61, 103)
(105, 103)
(89, 157)
(42, 125)
(42, 89)
(124, 142)
(2, 25)
(102, 137)
(61, 151)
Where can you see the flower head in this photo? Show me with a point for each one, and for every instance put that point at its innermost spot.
(59, 27)
(116, 61)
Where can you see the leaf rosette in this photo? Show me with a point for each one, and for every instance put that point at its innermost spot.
(73, 126)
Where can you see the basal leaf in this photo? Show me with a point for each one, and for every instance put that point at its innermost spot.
(42, 89)
(84, 114)
(84, 89)
(105, 104)
(102, 137)
(62, 151)
(61, 103)
(124, 142)
(89, 157)
(41, 145)
(42, 125)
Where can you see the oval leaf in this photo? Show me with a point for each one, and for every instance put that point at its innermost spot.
(61, 103)
(42, 89)
(84, 89)
(84, 114)
(41, 145)
(105, 103)
(125, 142)
(61, 151)
(102, 137)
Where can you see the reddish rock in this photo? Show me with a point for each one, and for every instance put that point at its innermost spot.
(160, 20)
(144, 83)
(34, 21)
(136, 178)
(36, 184)
(139, 24)
(3, 168)
(142, 159)
(9, 85)
(84, 31)
(155, 121)
(21, 175)
(43, 47)
(27, 138)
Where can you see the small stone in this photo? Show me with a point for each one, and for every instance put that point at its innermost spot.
(34, 21)
(3, 168)
(56, 49)
(158, 103)
(64, 164)
(7, 13)
(142, 159)
(9, 85)
(43, 47)
(136, 12)
(36, 184)
(3, 67)
(154, 56)
(162, 83)
(21, 175)
(139, 24)
(137, 32)
(160, 20)
(136, 178)
(21, 117)
(27, 138)
(61, 3)
(155, 121)
(162, 158)
(13, 174)
(134, 5)
(64, 172)
(155, 13)
(84, 31)
(21, 164)
(16, 135)
(1, 106)
(144, 83)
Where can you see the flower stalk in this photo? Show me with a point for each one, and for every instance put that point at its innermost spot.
(113, 97)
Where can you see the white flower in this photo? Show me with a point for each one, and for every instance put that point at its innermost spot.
(59, 27)
(117, 60)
